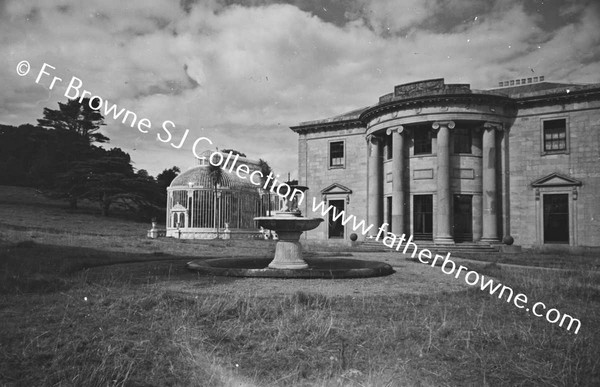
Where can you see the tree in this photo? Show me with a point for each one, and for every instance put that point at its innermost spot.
(20, 150)
(77, 125)
(266, 170)
(77, 117)
(34, 156)
(143, 174)
(60, 154)
(165, 178)
(108, 179)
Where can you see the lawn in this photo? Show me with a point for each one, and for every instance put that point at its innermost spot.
(81, 307)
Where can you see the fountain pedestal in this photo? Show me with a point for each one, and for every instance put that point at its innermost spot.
(289, 226)
(288, 252)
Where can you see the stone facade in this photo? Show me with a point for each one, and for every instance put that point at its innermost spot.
(447, 163)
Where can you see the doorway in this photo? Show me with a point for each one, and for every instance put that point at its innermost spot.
(556, 218)
(463, 218)
(336, 228)
(423, 217)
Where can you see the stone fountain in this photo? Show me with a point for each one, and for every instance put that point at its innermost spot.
(289, 224)
(289, 261)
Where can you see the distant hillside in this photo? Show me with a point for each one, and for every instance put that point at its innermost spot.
(24, 208)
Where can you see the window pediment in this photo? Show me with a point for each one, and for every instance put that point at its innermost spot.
(556, 180)
(336, 188)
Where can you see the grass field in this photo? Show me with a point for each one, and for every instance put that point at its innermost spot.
(89, 301)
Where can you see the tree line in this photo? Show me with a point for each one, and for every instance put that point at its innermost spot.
(63, 155)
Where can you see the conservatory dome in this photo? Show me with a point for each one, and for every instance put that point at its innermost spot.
(199, 176)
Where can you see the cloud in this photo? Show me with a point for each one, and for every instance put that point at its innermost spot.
(392, 16)
(241, 75)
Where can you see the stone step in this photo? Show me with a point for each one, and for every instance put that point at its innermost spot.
(464, 247)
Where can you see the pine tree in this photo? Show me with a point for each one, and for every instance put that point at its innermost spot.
(77, 117)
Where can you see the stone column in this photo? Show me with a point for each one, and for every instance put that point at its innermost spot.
(488, 181)
(505, 188)
(375, 183)
(397, 134)
(444, 198)
(477, 218)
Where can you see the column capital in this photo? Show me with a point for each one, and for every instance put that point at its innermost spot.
(493, 126)
(438, 124)
(373, 139)
(396, 129)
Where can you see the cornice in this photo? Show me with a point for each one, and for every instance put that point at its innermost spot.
(327, 126)
(564, 97)
(441, 99)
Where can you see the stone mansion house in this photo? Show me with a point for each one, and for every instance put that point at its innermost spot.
(448, 164)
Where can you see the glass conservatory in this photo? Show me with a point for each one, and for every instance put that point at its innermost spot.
(196, 209)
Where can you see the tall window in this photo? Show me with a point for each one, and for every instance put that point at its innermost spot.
(555, 135)
(336, 154)
(422, 141)
(462, 140)
(423, 216)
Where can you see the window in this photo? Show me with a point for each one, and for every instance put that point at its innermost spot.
(555, 135)
(462, 140)
(422, 141)
(463, 218)
(423, 217)
(336, 154)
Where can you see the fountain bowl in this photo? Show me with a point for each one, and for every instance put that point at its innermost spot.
(288, 222)
(325, 268)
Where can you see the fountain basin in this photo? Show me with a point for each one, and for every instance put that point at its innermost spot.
(329, 268)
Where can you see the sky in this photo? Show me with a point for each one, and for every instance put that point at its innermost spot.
(240, 73)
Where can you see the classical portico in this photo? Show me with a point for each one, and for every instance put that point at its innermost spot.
(440, 179)
(480, 183)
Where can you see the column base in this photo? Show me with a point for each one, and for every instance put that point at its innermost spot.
(443, 240)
